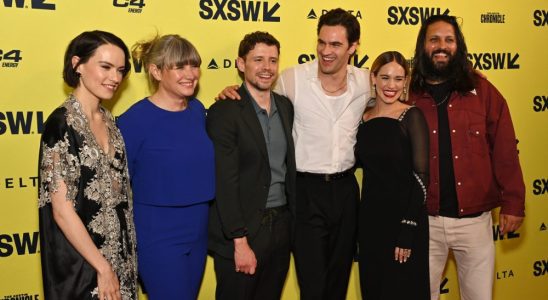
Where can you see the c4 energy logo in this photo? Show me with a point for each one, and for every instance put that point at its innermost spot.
(540, 103)
(34, 4)
(540, 186)
(493, 17)
(18, 122)
(227, 63)
(540, 17)
(18, 244)
(10, 58)
(540, 267)
(313, 15)
(494, 61)
(354, 60)
(21, 297)
(412, 15)
(133, 6)
(233, 10)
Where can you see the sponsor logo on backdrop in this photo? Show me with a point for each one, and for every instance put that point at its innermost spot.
(20, 297)
(19, 182)
(133, 6)
(505, 274)
(21, 122)
(494, 61)
(10, 58)
(32, 4)
(224, 63)
(493, 17)
(540, 267)
(312, 15)
(19, 244)
(540, 186)
(542, 227)
(355, 60)
(540, 103)
(497, 235)
(443, 288)
(412, 15)
(233, 10)
(540, 17)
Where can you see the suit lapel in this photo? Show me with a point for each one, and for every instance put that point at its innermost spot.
(249, 117)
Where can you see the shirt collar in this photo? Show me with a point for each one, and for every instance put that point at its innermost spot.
(258, 109)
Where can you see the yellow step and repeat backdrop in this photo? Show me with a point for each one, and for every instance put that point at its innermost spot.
(507, 41)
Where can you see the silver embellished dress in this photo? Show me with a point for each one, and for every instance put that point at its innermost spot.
(98, 187)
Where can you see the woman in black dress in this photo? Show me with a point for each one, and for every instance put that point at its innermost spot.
(87, 237)
(392, 147)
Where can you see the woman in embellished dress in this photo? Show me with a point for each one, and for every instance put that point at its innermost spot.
(392, 147)
(87, 236)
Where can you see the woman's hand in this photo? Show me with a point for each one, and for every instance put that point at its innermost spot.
(401, 254)
(108, 285)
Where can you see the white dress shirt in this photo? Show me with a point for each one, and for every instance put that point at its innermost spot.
(325, 127)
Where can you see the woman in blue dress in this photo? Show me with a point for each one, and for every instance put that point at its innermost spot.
(171, 166)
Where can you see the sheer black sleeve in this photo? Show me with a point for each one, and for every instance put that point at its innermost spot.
(416, 128)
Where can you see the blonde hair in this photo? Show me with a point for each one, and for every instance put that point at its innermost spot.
(165, 52)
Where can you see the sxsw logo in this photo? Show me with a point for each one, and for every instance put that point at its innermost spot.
(497, 235)
(34, 4)
(137, 65)
(540, 186)
(233, 10)
(134, 6)
(540, 17)
(496, 61)
(443, 288)
(10, 58)
(493, 17)
(540, 267)
(354, 60)
(540, 103)
(399, 15)
(20, 244)
(312, 14)
(227, 63)
(18, 122)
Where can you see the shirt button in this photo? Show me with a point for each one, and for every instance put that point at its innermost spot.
(456, 156)
(434, 157)
(461, 210)
(477, 132)
(453, 131)
(458, 183)
(434, 131)
(450, 105)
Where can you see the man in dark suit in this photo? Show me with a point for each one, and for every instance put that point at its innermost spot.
(251, 218)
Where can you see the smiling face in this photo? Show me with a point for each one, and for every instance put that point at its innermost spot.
(333, 49)
(177, 82)
(440, 45)
(260, 67)
(101, 75)
(389, 82)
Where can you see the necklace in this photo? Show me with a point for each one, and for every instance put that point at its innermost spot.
(334, 91)
(444, 99)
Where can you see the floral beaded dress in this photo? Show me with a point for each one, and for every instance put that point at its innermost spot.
(98, 187)
(394, 157)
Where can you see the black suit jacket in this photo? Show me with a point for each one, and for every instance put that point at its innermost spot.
(243, 169)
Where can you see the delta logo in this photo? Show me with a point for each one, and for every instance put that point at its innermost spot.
(226, 64)
(10, 58)
(133, 6)
(312, 15)
(493, 17)
(412, 15)
(233, 10)
(505, 274)
(21, 122)
(19, 182)
(355, 60)
(494, 61)
(32, 4)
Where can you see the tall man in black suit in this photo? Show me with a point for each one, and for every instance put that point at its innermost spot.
(250, 221)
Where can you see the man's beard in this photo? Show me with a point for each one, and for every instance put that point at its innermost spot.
(439, 71)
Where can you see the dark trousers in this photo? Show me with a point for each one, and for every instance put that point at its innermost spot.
(325, 235)
(271, 246)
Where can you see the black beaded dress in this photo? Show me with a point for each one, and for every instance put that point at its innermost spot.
(394, 156)
(98, 187)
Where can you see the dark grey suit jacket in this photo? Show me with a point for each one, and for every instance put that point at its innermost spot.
(243, 169)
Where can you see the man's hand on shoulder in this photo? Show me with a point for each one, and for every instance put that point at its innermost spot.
(229, 92)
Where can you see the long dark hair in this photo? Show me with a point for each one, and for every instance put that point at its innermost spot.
(464, 78)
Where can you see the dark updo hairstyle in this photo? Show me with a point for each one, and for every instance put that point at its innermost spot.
(84, 46)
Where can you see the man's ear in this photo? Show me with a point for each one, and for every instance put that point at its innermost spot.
(240, 62)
